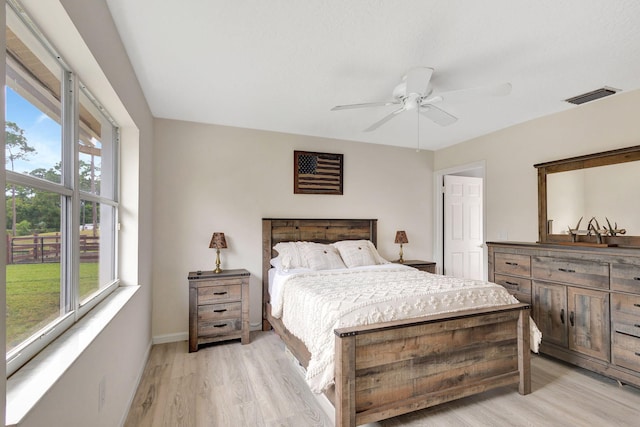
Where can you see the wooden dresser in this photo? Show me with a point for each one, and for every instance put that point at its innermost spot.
(218, 307)
(586, 301)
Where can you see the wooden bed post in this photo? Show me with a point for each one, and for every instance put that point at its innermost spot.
(345, 380)
(524, 353)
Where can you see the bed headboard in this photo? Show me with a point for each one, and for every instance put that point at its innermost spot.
(275, 230)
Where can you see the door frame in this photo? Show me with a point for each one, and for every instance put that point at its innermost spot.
(477, 169)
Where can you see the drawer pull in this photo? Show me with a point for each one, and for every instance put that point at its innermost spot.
(220, 311)
(511, 263)
(571, 318)
(220, 326)
(636, 305)
(567, 270)
(637, 354)
(636, 278)
(220, 293)
(636, 325)
(510, 283)
(562, 316)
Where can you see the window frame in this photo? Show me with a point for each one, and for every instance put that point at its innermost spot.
(71, 198)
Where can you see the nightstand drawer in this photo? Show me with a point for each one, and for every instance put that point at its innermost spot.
(213, 294)
(218, 328)
(519, 265)
(219, 311)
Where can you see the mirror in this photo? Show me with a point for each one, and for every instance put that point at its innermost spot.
(601, 186)
(605, 192)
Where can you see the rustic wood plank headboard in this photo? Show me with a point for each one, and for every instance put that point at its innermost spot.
(275, 230)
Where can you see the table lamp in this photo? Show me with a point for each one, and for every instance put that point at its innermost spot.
(219, 242)
(401, 237)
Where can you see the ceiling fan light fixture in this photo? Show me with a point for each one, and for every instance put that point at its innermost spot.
(415, 93)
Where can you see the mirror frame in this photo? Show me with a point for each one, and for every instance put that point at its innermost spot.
(622, 155)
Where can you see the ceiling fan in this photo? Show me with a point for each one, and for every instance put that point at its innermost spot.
(415, 92)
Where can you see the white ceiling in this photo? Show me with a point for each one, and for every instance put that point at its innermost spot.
(281, 65)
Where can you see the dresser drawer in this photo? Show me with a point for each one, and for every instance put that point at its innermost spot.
(625, 277)
(625, 314)
(625, 351)
(519, 287)
(219, 311)
(571, 271)
(217, 328)
(519, 265)
(212, 294)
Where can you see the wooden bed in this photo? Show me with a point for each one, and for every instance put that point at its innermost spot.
(392, 368)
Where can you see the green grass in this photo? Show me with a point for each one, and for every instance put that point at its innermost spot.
(33, 296)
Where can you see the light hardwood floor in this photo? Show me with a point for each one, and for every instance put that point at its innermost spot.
(228, 384)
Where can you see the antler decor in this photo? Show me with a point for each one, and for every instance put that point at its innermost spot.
(593, 228)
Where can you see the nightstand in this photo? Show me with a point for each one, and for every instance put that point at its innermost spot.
(428, 266)
(218, 307)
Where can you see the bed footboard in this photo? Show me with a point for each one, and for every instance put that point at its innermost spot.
(400, 367)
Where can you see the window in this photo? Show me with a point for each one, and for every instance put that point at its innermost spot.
(61, 193)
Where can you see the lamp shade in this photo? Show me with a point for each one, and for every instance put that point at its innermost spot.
(401, 237)
(218, 241)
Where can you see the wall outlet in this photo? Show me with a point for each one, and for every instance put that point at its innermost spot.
(102, 393)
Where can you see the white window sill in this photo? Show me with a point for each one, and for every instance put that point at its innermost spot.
(27, 386)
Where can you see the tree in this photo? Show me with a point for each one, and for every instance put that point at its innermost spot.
(17, 148)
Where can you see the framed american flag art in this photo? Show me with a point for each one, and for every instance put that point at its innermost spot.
(317, 173)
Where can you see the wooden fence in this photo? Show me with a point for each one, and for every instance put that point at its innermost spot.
(34, 249)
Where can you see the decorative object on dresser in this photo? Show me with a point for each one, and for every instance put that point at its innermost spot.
(218, 242)
(401, 238)
(428, 266)
(218, 307)
(317, 173)
(586, 301)
(593, 228)
(380, 372)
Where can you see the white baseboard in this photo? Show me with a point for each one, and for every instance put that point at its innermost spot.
(163, 339)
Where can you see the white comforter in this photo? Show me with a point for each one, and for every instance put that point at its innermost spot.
(313, 304)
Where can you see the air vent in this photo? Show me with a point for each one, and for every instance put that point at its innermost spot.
(592, 96)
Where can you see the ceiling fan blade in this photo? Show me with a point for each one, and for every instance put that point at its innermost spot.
(365, 105)
(384, 120)
(463, 95)
(418, 80)
(437, 115)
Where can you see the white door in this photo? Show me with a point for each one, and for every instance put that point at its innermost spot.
(463, 256)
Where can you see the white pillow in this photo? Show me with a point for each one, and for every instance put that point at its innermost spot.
(321, 257)
(277, 262)
(357, 253)
(289, 254)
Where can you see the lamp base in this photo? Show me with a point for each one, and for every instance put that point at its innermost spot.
(401, 260)
(218, 269)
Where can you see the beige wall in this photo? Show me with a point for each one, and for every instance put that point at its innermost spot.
(214, 178)
(511, 179)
